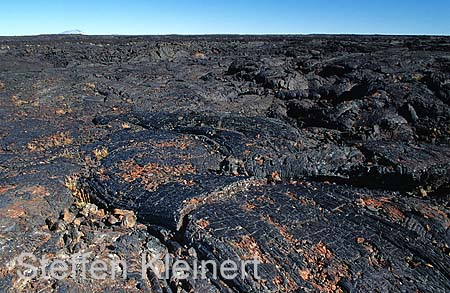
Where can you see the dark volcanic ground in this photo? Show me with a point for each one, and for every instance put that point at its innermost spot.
(327, 158)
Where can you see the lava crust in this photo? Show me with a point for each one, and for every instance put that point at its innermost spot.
(326, 158)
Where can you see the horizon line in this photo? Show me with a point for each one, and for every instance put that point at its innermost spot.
(231, 34)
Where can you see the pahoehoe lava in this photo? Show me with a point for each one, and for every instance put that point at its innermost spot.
(325, 157)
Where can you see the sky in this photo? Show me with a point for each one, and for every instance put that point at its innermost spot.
(140, 17)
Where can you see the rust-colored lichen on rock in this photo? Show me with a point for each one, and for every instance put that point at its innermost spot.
(434, 212)
(282, 230)
(302, 199)
(39, 191)
(251, 249)
(202, 223)
(22, 207)
(385, 205)
(275, 177)
(322, 270)
(248, 207)
(179, 143)
(372, 203)
(285, 284)
(14, 211)
(5, 188)
(153, 174)
(394, 213)
(375, 257)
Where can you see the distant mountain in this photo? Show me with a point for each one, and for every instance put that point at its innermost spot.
(72, 32)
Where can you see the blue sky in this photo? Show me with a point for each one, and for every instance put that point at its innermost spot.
(225, 17)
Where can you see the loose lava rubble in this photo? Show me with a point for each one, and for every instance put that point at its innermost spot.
(325, 157)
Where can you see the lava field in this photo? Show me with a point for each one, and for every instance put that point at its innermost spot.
(326, 158)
